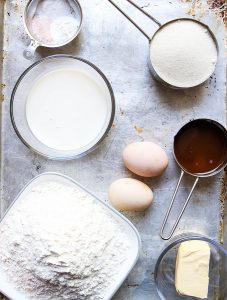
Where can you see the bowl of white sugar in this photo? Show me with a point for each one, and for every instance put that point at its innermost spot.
(183, 53)
(58, 241)
(62, 107)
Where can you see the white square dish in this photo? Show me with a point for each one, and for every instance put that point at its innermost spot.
(133, 236)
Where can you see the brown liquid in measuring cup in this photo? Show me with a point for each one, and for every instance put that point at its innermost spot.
(200, 147)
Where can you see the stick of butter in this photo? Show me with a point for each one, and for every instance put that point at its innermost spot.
(192, 269)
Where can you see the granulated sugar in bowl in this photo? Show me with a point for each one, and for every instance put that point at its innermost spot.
(183, 53)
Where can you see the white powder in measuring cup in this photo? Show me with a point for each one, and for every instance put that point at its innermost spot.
(58, 242)
(52, 22)
(62, 28)
(183, 53)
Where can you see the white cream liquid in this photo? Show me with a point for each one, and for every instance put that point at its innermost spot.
(66, 109)
(183, 53)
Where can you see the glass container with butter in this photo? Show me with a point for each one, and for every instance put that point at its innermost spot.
(192, 267)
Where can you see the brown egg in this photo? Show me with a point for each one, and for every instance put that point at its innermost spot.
(130, 195)
(146, 159)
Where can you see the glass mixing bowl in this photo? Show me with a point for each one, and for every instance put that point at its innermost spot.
(165, 271)
(20, 96)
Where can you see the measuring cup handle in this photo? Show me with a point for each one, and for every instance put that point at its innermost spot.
(29, 53)
(171, 205)
(144, 12)
(132, 21)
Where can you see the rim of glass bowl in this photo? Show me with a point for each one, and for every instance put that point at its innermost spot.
(178, 240)
(112, 106)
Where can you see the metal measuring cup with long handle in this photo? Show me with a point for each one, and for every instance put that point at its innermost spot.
(36, 41)
(151, 38)
(221, 156)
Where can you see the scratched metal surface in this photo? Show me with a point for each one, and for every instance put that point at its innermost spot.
(145, 111)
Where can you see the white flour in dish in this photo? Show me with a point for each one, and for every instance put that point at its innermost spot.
(183, 53)
(57, 243)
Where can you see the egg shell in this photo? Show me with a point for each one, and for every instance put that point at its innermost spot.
(130, 195)
(146, 159)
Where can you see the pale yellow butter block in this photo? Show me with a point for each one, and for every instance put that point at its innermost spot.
(192, 269)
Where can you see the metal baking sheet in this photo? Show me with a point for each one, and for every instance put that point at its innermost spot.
(145, 111)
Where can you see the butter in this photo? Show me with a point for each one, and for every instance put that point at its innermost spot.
(192, 269)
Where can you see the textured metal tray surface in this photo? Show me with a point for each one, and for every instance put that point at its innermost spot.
(145, 111)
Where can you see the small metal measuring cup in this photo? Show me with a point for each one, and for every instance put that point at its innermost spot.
(150, 39)
(30, 10)
(212, 172)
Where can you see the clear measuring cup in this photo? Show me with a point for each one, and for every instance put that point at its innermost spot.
(183, 164)
(151, 38)
(51, 23)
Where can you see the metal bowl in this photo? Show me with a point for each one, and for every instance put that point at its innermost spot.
(76, 11)
(150, 39)
(19, 100)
